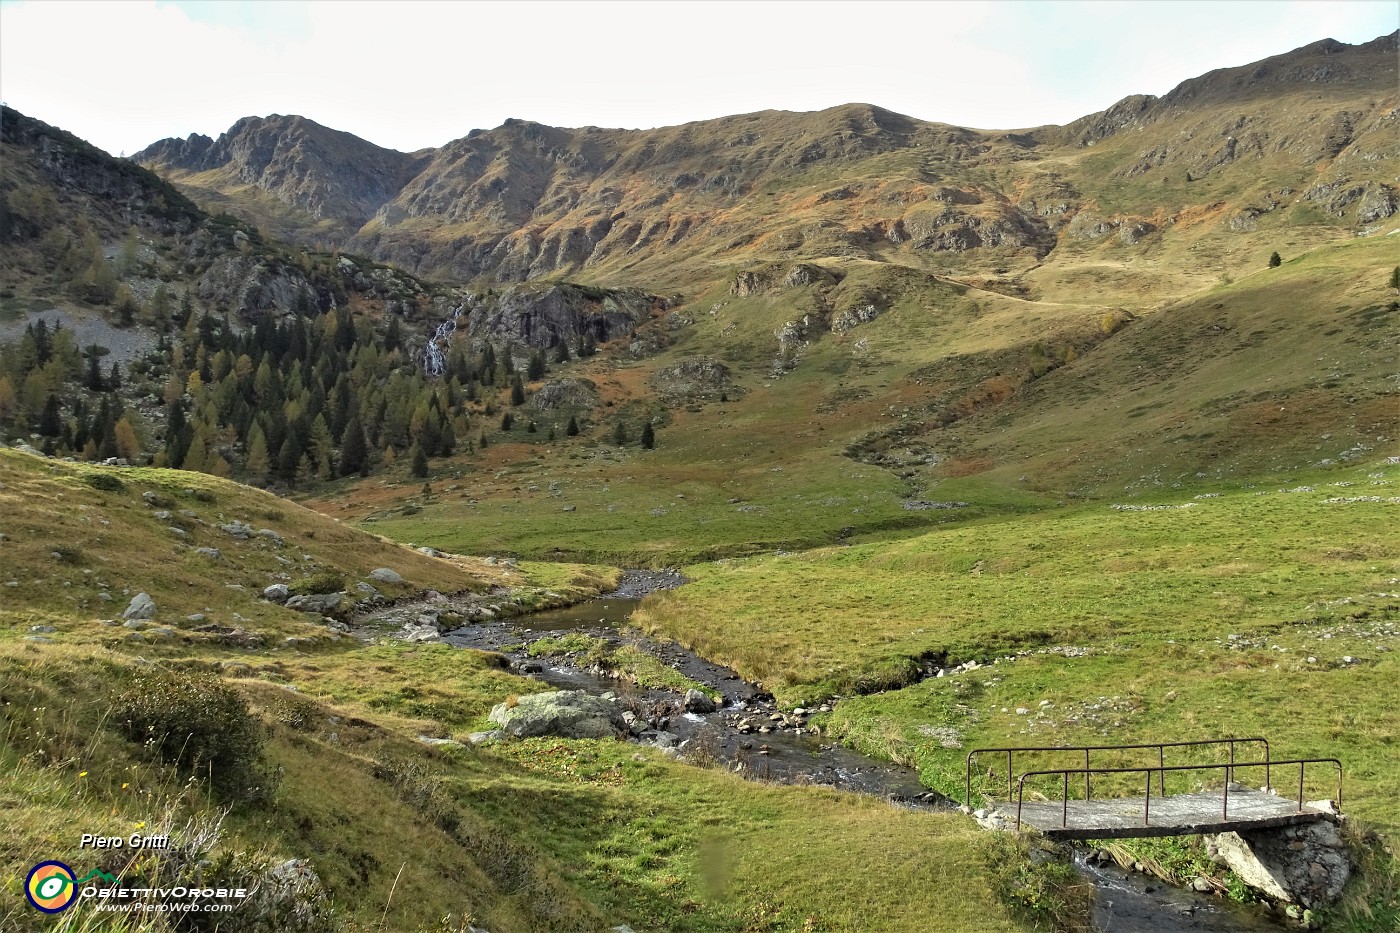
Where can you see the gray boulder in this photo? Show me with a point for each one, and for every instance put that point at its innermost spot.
(1307, 865)
(141, 607)
(385, 575)
(212, 553)
(568, 714)
(320, 603)
(239, 530)
(277, 592)
(697, 702)
(565, 393)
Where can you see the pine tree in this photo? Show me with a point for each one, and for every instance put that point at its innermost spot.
(572, 429)
(1275, 260)
(256, 461)
(506, 421)
(419, 462)
(94, 371)
(50, 424)
(530, 428)
(648, 436)
(114, 379)
(620, 434)
(1395, 278)
(354, 452)
(561, 352)
(517, 391)
(537, 368)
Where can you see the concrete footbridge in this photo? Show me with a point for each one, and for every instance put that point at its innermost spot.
(1062, 792)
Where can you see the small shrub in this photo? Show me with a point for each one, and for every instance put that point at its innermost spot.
(105, 482)
(325, 582)
(297, 713)
(199, 723)
(203, 495)
(1039, 885)
(68, 554)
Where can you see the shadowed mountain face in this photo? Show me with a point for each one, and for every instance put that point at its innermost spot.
(1314, 126)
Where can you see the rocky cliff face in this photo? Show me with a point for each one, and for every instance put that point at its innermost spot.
(112, 190)
(525, 201)
(542, 318)
(325, 173)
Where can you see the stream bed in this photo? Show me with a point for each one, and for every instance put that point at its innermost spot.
(749, 735)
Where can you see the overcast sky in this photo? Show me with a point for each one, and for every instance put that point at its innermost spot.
(409, 75)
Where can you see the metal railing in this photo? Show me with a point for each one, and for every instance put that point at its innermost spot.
(1229, 769)
(1087, 749)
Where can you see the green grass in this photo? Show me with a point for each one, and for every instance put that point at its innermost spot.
(1147, 600)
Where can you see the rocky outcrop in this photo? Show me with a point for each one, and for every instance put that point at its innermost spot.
(322, 172)
(569, 714)
(319, 603)
(248, 284)
(1306, 865)
(543, 317)
(78, 167)
(696, 378)
(565, 394)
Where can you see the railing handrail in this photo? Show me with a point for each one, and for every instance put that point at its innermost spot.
(1161, 770)
(1009, 751)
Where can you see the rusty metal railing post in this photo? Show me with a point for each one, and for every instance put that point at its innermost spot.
(1162, 775)
(1301, 768)
(1064, 804)
(1147, 801)
(1008, 774)
(1268, 769)
(1020, 798)
(1086, 775)
(1230, 772)
(1225, 807)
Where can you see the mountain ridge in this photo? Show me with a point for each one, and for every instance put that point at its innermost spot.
(525, 200)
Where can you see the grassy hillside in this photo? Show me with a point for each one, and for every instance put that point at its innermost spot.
(304, 744)
(1259, 609)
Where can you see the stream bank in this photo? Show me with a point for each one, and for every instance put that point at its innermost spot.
(748, 734)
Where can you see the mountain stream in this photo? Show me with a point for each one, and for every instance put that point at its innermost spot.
(749, 735)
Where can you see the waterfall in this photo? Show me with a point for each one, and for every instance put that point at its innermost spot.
(435, 353)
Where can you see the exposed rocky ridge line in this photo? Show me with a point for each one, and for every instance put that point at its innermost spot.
(524, 200)
(329, 174)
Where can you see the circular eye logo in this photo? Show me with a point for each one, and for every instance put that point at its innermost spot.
(50, 887)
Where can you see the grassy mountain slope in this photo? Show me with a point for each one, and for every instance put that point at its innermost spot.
(544, 835)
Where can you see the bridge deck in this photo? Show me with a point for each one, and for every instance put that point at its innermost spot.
(1178, 815)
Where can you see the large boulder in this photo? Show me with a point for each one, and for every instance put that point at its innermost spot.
(1307, 865)
(696, 378)
(565, 393)
(321, 603)
(141, 607)
(697, 702)
(568, 714)
(385, 575)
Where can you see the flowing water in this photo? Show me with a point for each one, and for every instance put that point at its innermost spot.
(1125, 903)
(435, 353)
